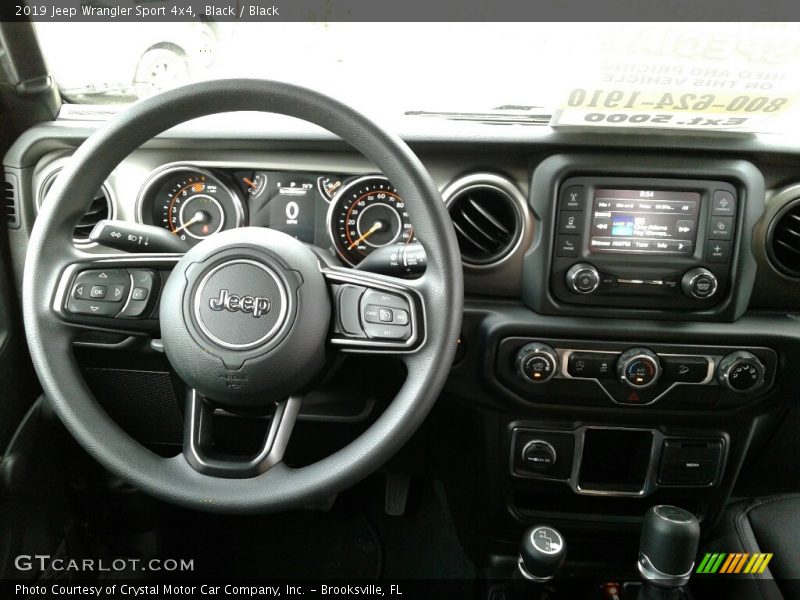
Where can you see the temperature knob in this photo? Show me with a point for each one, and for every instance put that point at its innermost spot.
(741, 372)
(537, 362)
(583, 278)
(638, 368)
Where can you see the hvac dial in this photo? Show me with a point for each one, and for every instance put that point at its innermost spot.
(191, 203)
(367, 214)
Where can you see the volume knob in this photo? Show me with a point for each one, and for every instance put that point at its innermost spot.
(583, 278)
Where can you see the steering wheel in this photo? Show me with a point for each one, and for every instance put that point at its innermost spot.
(249, 318)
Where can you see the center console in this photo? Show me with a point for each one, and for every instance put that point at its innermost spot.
(629, 373)
(631, 460)
(616, 461)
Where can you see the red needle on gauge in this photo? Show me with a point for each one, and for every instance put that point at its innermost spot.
(249, 182)
(376, 227)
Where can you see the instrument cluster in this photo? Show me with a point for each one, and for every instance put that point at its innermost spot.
(351, 215)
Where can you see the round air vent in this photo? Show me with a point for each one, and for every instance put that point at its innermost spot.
(783, 239)
(99, 209)
(487, 212)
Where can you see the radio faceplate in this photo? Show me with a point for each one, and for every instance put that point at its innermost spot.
(631, 242)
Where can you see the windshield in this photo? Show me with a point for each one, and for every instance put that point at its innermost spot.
(744, 76)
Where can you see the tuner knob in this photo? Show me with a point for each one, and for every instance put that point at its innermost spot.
(699, 284)
(537, 362)
(638, 368)
(741, 372)
(583, 278)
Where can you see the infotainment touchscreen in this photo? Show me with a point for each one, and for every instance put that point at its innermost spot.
(644, 221)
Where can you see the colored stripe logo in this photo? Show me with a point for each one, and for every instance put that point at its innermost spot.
(734, 562)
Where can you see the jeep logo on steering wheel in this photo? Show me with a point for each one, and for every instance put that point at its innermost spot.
(248, 304)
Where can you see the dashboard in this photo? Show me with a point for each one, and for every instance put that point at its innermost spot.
(630, 297)
(335, 201)
(505, 182)
(352, 215)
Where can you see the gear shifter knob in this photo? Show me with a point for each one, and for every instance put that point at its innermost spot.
(668, 545)
(542, 554)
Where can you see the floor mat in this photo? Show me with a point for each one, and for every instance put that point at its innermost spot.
(288, 546)
(422, 544)
(355, 540)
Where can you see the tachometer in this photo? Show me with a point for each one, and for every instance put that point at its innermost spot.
(191, 203)
(367, 213)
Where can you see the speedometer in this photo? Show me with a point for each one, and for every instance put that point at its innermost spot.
(366, 214)
(190, 202)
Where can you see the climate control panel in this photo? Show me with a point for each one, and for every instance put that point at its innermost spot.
(579, 372)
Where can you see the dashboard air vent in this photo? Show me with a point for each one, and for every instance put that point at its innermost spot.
(99, 209)
(487, 213)
(10, 204)
(783, 242)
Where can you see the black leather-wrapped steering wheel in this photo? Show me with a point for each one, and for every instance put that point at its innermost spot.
(260, 351)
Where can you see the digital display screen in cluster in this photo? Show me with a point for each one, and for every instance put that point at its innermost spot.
(644, 221)
(290, 202)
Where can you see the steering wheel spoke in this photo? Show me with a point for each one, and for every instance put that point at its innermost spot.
(375, 313)
(113, 292)
(199, 439)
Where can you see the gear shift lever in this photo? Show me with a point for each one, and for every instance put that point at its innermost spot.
(542, 553)
(668, 546)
